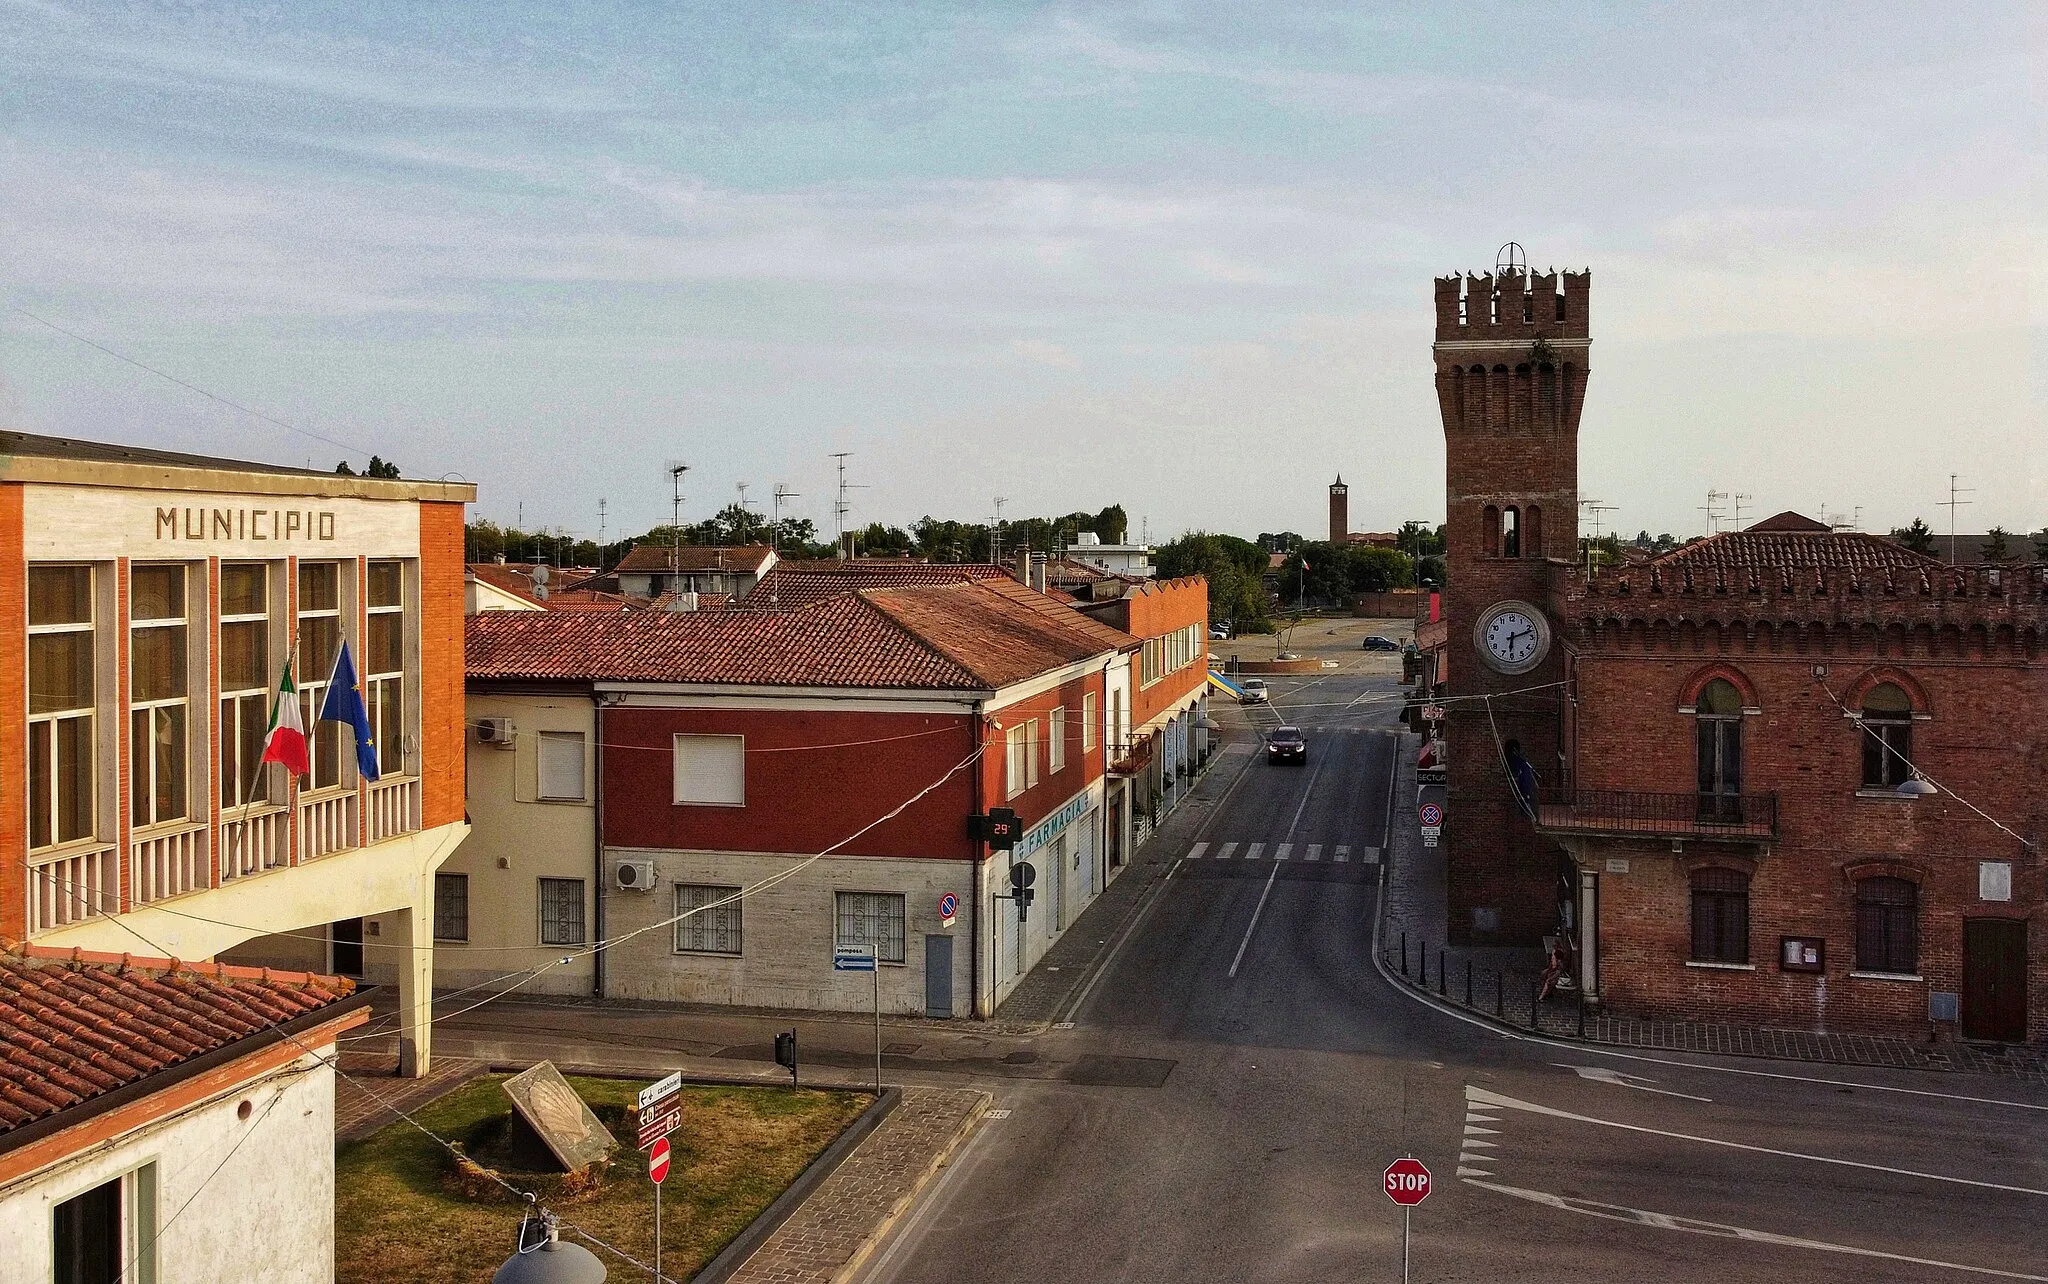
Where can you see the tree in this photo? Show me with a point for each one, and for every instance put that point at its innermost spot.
(381, 468)
(1234, 569)
(2041, 543)
(343, 470)
(1112, 524)
(1279, 541)
(1338, 572)
(1418, 540)
(877, 540)
(1994, 544)
(1919, 537)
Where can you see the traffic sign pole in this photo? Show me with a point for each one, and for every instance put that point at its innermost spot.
(1407, 1183)
(657, 1172)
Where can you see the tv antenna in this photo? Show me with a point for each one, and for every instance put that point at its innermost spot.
(600, 534)
(1951, 504)
(676, 469)
(782, 493)
(995, 535)
(1739, 498)
(841, 507)
(1594, 508)
(1712, 508)
(743, 506)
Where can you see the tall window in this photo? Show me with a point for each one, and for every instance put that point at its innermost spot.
(451, 907)
(707, 931)
(1088, 708)
(108, 1234)
(561, 911)
(62, 806)
(1887, 926)
(1510, 532)
(245, 680)
(1014, 770)
(1720, 916)
(1887, 737)
(384, 665)
(157, 670)
(871, 918)
(1031, 753)
(1489, 531)
(1718, 713)
(1056, 738)
(319, 643)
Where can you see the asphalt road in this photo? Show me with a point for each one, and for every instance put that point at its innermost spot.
(1257, 1074)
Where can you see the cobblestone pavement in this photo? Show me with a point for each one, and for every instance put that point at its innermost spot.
(1042, 996)
(359, 1107)
(1501, 983)
(842, 1221)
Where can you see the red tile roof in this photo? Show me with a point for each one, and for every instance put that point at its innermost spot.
(517, 579)
(75, 1026)
(1783, 549)
(1787, 521)
(797, 583)
(971, 636)
(742, 559)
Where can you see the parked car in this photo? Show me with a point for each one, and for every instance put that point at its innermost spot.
(1218, 633)
(1378, 643)
(1254, 691)
(1286, 744)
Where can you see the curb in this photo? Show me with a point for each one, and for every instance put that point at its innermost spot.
(939, 1160)
(743, 1245)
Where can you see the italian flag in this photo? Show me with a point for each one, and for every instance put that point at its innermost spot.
(285, 742)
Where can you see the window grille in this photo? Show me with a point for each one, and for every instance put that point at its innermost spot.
(872, 918)
(451, 907)
(1720, 916)
(561, 911)
(707, 931)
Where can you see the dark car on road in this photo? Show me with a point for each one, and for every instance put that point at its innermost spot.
(1286, 745)
(1378, 643)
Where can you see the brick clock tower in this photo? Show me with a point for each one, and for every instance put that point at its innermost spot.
(1511, 353)
(1340, 510)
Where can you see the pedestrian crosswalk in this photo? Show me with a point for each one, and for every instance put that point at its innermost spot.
(1340, 854)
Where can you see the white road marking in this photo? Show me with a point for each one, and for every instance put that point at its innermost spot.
(1228, 848)
(1195, 852)
(1601, 1074)
(1371, 856)
(1252, 926)
(1694, 1226)
(1315, 851)
(1252, 852)
(1484, 1098)
(996, 1114)
(1280, 852)
(1341, 855)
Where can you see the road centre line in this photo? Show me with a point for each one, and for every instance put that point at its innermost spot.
(1695, 1226)
(1252, 926)
(1483, 1098)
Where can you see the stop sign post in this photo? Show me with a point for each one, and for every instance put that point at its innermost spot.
(1407, 1183)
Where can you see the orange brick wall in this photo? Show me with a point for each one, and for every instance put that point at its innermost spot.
(13, 715)
(1154, 611)
(441, 673)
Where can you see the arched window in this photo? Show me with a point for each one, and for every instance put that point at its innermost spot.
(1718, 736)
(1510, 532)
(1532, 530)
(1887, 737)
(1489, 532)
(1887, 926)
(1720, 916)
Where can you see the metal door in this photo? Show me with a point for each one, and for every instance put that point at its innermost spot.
(1995, 979)
(938, 976)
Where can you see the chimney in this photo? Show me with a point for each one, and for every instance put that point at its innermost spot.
(1038, 572)
(681, 602)
(1024, 565)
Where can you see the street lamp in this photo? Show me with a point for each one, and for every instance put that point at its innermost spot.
(1916, 786)
(548, 1260)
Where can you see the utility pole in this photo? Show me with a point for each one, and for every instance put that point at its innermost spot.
(1952, 503)
(676, 469)
(841, 508)
(995, 534)
(600, 535)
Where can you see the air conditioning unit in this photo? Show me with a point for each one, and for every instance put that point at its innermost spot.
(496, 732)
(634, 875)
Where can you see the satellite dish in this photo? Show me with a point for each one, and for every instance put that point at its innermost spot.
(541, 591)
(540, 574)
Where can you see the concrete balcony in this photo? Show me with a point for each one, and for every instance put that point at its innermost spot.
(1130, 756)
(1574, 811)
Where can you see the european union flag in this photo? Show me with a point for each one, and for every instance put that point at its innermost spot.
(344, 703)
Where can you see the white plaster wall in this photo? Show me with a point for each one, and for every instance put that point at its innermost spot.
(268, 1214)
(515, 841)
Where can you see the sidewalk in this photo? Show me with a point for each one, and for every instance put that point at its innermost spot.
(369, 1082)
(1500, 983)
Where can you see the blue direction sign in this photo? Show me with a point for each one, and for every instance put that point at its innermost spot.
(853, 958)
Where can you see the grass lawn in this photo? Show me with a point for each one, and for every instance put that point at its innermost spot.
(397, 1216)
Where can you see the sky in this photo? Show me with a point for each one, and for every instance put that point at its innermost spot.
(1173, 256)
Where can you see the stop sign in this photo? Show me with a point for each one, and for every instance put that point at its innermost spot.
(657, 1161)
(1407, 1182)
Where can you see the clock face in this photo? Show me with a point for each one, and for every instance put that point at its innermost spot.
(1513, 637)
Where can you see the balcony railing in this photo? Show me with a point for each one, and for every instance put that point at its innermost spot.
(327, 825)
(166, 865)
(394, 808)
(1744, 818)
(1129, 756)
(68, 889)
(263, 841)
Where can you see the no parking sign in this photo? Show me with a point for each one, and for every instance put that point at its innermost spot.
(949, 906)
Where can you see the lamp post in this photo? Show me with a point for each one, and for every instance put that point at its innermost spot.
(548, 1260)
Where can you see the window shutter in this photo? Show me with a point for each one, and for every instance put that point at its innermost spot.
(561, 765)
(711, 770)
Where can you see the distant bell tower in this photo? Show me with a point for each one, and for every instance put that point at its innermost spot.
(1511, 359)
(1340, 510)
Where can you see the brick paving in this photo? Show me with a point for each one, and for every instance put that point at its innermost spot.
(843, 1220)
(359, 1107)
(1415, 914)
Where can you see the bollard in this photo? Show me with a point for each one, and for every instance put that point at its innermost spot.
(1536, 1003)
(1404, 954)
(1499, 1008)
(1440, 971)
(1582, 1016)
(1468, 982)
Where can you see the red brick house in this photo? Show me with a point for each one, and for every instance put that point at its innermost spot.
(1713, 769)
(832, 757)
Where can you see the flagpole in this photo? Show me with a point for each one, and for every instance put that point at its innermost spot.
(249, 799)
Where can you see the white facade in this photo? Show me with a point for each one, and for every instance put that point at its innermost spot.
(266, 1214)
(1118, 559)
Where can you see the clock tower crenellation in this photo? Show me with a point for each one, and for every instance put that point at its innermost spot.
(1511, 364)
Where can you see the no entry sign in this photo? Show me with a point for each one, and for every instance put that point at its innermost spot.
(1432, 814)
(1407, 1182)
(657, 1161)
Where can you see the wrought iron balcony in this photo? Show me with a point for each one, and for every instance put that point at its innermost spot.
(1629, 813)
(1129, 756)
